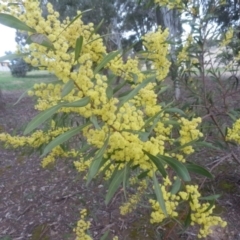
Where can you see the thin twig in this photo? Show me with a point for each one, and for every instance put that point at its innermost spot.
(114, 198)
(107, 228)
(174, 226)
(25, 210)
(220, 161)
(214, 166)
(235, 157)
(45, 228)
(217, 125)
(68, 196)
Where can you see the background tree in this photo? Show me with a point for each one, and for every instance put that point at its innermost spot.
(227, 14)
(138, 19)
(125, 22)
(18, 66)
(102, 10)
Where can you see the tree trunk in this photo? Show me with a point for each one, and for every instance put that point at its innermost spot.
(171, 19)
(2, 103)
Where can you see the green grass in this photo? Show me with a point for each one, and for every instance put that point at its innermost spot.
(10, 83)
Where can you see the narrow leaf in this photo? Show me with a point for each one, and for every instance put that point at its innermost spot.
(135, 167)
(97, 162)
(13, 22)
(78, 16)
(183, 146)
(135, 77)
(106, 168)
(143, 174)
(41, 118)
(19, 99)
(143, 136)
(96, 29)
(175, 110)
(171, 122)
(62, 138)
(212, 197)
(187, 220)
(40, 39)
(211, 204)
(118, 87)
(115, 171)
(109, 92)
(159, 195)
(163, 89)
(232, 117)
(78, 47)
(67, 88)
(13, 56)
(150, 120)
(100, 37)
(157, 163)
(206, 144)
(176, 186)
(192, 167)
(155, 122)
(94, 121)
(123, 94)
(105, 235)
(79, 103)
(177, 166)
(114, 185)
(85, 148)
(106, 60)
(135, 91)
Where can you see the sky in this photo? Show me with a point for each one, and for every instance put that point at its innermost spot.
(7, 39)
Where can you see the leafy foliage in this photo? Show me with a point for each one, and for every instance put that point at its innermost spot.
(18, 66)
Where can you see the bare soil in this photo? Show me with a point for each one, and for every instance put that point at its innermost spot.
(44, 204)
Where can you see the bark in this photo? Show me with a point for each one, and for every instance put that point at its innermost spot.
(2, 103)
(171, 20)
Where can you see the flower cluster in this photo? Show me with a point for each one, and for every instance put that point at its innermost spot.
(170, 4)
(82, 227)
(82, 164)
(157, 50)
(189, 133)
(184, 54)
(227, 38)
(200, 213)
(234, 133)
(63, 39)
(148, 99)
(37, 139)
(171, 203)
(127, 70)
(134, 199)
